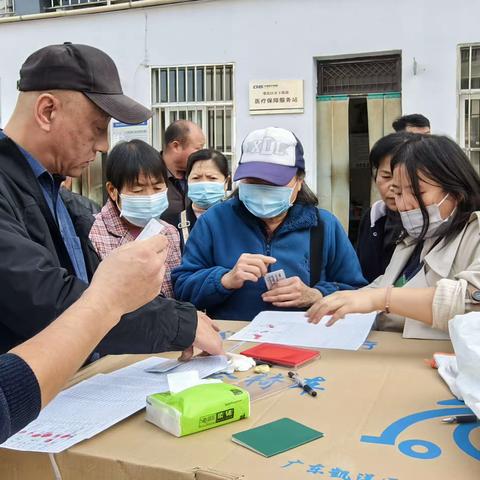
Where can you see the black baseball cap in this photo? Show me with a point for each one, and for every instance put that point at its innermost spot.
(85, 69)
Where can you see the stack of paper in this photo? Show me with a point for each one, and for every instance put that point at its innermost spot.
(96, 404)
(292, 328)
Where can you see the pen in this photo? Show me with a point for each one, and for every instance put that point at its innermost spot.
(460, 419)
(302, 383)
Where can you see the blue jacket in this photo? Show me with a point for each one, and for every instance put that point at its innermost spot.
(227, 230)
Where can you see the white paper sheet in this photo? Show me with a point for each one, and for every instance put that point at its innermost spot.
(96, 404)
(152, 228)
(292, 328)
(177, 382)
(415, 329)
(206, 366)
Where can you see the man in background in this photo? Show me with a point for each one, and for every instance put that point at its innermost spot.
(414, 123)
(182, 138)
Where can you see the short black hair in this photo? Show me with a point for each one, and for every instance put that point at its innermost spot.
(178, 131)
(128, 160)
(387, 145)
(413, 120)
(218, 158)
(440, 160)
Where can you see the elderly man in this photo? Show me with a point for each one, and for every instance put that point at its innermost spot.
(68, 93)
(32, 373)
(181, 139)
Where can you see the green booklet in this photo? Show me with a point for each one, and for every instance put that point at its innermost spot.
(276, 437)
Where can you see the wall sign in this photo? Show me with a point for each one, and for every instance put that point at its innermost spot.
(275, 96)
(123, 132)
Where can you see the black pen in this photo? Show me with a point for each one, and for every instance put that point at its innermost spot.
(460, 419)
(302, 383)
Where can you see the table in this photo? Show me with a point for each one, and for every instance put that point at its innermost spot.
(379, 408)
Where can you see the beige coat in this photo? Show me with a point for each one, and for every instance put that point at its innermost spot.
(454, 269)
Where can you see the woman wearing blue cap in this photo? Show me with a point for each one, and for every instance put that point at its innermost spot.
(271, 223)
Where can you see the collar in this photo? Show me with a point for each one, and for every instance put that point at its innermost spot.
(170, 175)
(38, 169)
(112, 220)
(442, 264)
(377, 211)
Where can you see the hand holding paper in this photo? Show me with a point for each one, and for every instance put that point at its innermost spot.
(248, 267)
(291, 292)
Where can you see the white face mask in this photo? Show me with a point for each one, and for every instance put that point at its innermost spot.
(412, 220)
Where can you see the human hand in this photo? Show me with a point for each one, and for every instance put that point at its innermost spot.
(248, 267)
(207, 338)
(291, 292)
(130, 276)
(338, 304)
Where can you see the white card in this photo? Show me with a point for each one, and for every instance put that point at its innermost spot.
(152, 228)
(273, 277)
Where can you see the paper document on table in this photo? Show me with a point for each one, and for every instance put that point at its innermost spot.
(292, 328)
(94, 405)
(415, 329)
(206, 366)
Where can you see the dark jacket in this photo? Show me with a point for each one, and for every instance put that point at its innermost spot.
(378, 235)
(76, 198)
(177, 198)
(37, 281)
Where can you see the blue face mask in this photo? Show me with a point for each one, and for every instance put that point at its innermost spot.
(265, 201)
(205, 194)
(140, 209)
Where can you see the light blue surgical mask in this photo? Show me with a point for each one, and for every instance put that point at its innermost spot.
(206, 194)
(140, 209)
(265, 201)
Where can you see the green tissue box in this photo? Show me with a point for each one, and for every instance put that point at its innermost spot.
(198, 408)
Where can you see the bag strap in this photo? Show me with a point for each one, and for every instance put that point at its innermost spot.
(316, 251)
(184, 225)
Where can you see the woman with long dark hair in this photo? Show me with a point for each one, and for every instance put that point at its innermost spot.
(434, 273)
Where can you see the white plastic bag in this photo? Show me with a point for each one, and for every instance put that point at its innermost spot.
(465, 336)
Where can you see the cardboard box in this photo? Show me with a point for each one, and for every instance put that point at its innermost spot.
(379, 408)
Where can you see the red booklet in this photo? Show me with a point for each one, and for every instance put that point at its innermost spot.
(281, 354)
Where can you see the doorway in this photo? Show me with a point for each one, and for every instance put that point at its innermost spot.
(360, 178)
(357, 101)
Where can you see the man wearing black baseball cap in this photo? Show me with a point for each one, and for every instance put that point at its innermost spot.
(68, 94)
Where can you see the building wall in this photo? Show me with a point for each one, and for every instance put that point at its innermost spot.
(267, 39)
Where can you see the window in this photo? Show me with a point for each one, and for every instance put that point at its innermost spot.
(200, 93)
(469, 102)
(360, 75)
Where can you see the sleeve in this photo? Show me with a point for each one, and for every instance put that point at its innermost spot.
(35, 290)
(342, 268)
(448, 301)
(173, 259)
(198, 279)
(20, 397)
(452, 296)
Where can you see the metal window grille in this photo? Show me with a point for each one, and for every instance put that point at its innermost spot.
(74, 4)
(469, 102)
(203, 94)
(360, 75)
